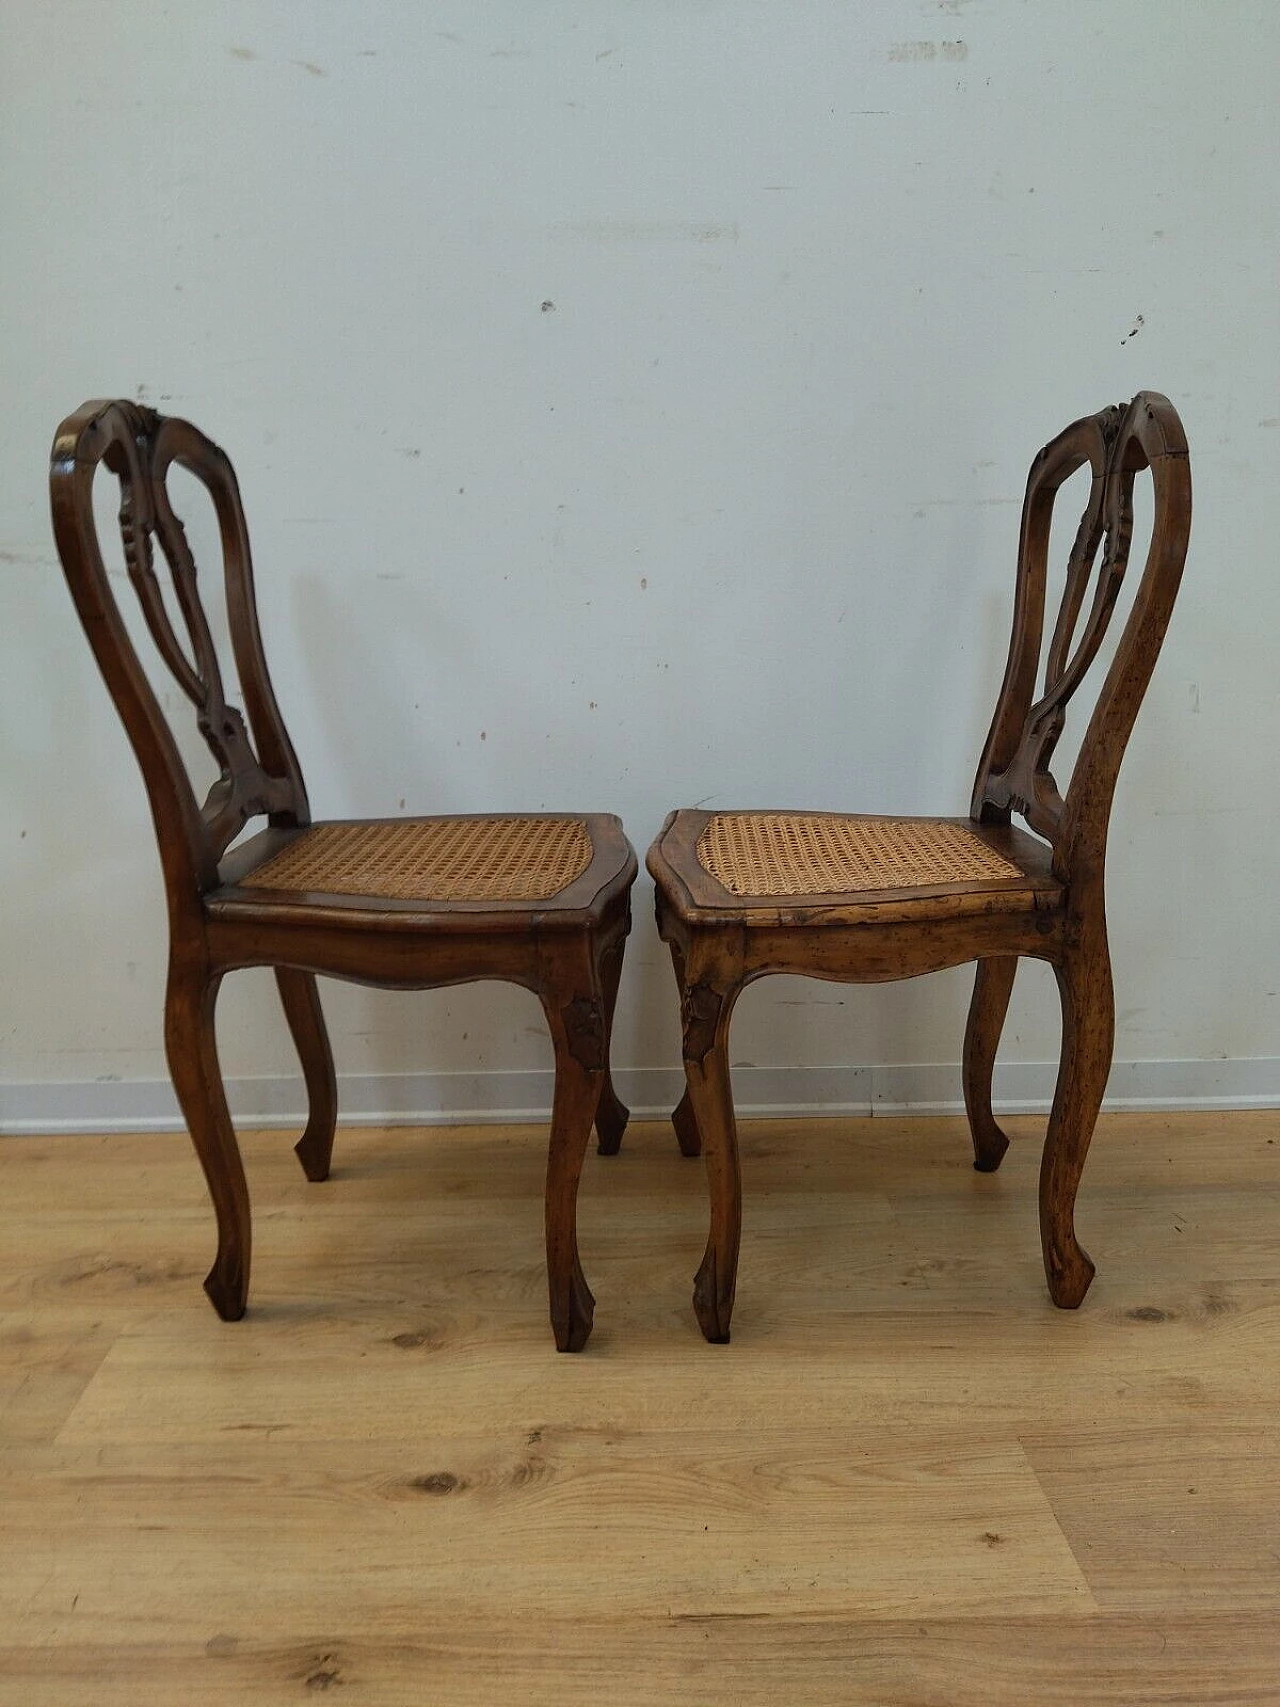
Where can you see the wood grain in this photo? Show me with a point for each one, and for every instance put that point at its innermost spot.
(1194, 1504)
(906, 1483)
(1109, 1661)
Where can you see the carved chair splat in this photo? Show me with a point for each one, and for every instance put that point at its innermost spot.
(537, 899)
(741, 895)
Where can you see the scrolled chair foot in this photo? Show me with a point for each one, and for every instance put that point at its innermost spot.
(612, 1115)
(989, 1148)
(712, 1302)
(227, 1286)
(572, 1312)
(1070, 1274)
(685, 1122)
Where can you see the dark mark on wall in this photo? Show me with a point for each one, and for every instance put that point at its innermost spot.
(923, 52)
(648, 231)
(247, 54)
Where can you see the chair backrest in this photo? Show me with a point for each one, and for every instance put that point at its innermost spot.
(256, 776)
(1014, 775)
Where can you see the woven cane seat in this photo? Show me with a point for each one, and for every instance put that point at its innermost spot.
(432, 859)
(796, 853)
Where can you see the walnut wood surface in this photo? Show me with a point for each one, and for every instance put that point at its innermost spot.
(992, 990)
(566, 948)
(1052, 910)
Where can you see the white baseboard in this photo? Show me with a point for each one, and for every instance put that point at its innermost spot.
(438, 1099)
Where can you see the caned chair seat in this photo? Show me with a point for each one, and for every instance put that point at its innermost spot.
(811, 854)
(759, 867)
(426, 872)
(432, 859)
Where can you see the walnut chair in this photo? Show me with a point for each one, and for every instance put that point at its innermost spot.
(868, 899)
(536, 899)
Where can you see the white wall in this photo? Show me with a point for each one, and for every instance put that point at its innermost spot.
(732, 522)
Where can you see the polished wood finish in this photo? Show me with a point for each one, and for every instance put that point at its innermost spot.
(566, 947)
(1050, 906)
(924, 1487)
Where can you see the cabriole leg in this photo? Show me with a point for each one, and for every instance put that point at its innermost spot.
(992, 988)
(705, 1012)
(191, 1046)
(612, 1113)
(578, 1034)
(301, 1000)
(683, 1119)
(1088, 1036)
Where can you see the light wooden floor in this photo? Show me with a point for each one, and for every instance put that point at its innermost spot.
(909, 1480)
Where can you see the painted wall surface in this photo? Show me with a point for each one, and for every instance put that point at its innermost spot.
(632, 404)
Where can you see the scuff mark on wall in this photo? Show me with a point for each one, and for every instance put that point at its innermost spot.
(648, 231)
(924, 52)
(247, 54)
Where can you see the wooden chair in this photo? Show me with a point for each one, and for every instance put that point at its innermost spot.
(863, 900)
(415, 903)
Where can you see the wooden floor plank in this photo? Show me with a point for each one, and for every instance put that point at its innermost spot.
(454, 1370)
(909, 1480)
(1191, 1514)
(46, 1362)
(693, 1524)
(594, 1658)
